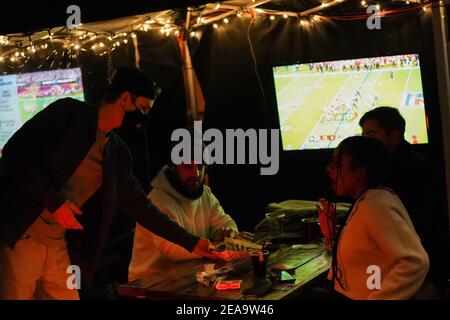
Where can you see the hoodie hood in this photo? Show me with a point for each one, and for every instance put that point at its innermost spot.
(162, 182)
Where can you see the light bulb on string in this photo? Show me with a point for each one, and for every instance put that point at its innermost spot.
(285, 16)
(192, 34)
(3, 40)
(272, 17)
(226, 20)
(215, 25)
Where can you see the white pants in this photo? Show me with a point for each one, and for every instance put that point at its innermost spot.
(34, 271)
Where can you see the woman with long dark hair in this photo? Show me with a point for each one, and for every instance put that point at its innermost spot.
(376, 253)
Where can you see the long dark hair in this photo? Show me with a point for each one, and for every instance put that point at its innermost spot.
(364, 152)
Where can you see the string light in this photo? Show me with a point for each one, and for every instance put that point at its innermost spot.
(217, 7)
(3, 40)
(72, 40)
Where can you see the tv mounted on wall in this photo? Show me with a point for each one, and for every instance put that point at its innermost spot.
(25, 94)
(319, 104)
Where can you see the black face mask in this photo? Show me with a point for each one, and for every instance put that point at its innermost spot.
(173, 180)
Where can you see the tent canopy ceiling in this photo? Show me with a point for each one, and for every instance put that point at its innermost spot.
(109, 19)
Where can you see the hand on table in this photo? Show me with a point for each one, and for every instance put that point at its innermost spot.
(65, 216)
(204, 248)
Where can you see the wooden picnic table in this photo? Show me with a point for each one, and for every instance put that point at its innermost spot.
(179, 282)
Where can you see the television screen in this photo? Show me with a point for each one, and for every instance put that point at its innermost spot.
(319, 104)
(23, 95)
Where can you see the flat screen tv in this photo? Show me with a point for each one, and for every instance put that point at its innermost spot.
(319, 104)
(25, 94)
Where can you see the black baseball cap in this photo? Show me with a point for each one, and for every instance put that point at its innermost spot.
(134, 80)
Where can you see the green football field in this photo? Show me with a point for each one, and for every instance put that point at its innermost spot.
(303, 97)
(30, 106)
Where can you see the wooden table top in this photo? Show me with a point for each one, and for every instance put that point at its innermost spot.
(179, 282)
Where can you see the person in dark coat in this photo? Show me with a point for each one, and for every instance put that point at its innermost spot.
(65, 174)
(411, 177)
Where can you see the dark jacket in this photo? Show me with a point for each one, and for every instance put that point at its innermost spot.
(412, 178)
(42, 156)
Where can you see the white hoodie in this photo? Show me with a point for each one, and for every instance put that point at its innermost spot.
(201, 217)
(379, 236)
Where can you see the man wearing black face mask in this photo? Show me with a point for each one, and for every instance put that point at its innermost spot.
(66, 174)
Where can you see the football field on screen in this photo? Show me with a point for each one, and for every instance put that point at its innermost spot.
(318, 110)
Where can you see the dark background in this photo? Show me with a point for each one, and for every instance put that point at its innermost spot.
(234, 99)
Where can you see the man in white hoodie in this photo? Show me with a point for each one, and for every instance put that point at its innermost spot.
(179, 192)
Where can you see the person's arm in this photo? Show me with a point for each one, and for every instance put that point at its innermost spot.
(401, 246)
(23, 152)
(170, 250)
(134, 203)
(219, 220)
